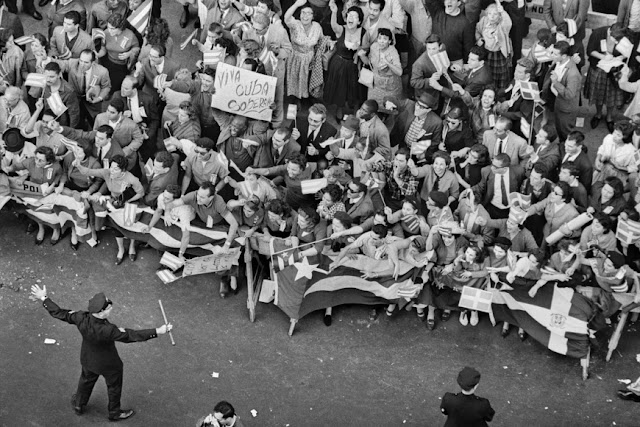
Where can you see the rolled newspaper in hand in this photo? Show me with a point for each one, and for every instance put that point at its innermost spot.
(573, 225)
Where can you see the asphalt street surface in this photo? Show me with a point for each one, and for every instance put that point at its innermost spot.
(358, 372)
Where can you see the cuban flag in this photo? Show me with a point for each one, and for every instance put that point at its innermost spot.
(139, 19)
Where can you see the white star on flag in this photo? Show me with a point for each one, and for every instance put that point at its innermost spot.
(305, 269)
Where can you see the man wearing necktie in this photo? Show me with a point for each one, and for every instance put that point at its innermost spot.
(503, 141)
(497, 183)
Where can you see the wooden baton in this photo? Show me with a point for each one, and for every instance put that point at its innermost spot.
(166, 322)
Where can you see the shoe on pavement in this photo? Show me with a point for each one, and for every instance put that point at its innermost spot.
(124, 414)
(79, 410)
(474, 318)
(464, 320)
(628, 395)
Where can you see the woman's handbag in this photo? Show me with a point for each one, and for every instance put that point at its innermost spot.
(366, 77)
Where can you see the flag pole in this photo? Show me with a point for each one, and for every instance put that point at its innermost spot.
(299, 246)
(533, 119)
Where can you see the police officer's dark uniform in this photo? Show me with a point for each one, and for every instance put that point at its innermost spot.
(466, 410)
(99, 355)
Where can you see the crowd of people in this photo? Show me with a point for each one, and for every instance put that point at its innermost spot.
(440, 157)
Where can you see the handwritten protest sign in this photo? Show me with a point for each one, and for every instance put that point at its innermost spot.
(243, 92)
(221, 261)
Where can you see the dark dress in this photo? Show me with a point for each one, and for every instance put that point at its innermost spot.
(341, 84)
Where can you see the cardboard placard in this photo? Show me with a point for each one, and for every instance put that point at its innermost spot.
(221, 261)
(243, 92)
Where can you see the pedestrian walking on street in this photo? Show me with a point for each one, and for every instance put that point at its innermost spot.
(465, 409)
(99, 355)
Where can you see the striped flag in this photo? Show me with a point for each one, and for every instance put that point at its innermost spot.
(284, 259)
(187, 41)
(555, 317)
(525, 127)
(170, 260)
(541, 54)
(625, 47)
(166, 276)
(56, 104)
(292, 111)
(139, 19)
(159, 81)
(71, 144)
(268, 58)
(202, 241)
(520, 200)
(628, 231)
(312, 186)
(530, 91)
(21, 41)
(36, 80)
(213, 56)
(475, 299)
(307, 285)
(441, 61)
(97, 33)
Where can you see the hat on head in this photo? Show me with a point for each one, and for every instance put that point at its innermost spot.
(98, 303)
(616, 258)
(13, 140)
(429, 100)
(351, 122)
(468, 378)
(517, 215)
(502, 241)
(439, 198)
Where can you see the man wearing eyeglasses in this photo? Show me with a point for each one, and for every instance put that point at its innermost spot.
(503, 141)
(98, 355)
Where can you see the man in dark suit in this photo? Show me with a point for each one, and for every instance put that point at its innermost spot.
(142, 109)
(466, 409)
(151, 67)
(91, 82)
(497, 182)
(556, 12)
(99, 355)
(574, 150)
(358, 203)
(518, 108)
(164, 173)
(103, 148)
(424, 68)
(275, 147)
(545, 151)
(311, 132)
(476, 79)
(562, 89)
(419, 123)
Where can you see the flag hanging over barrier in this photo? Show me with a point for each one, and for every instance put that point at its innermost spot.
(307, 285)
(555, 317)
